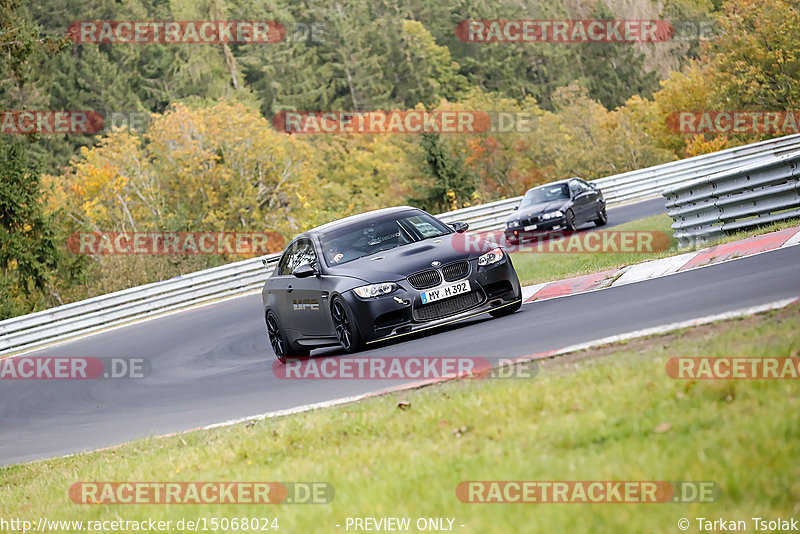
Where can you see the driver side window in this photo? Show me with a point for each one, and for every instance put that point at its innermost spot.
(302, 253)
(284, 268)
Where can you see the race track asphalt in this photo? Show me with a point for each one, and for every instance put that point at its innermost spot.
(213, 363)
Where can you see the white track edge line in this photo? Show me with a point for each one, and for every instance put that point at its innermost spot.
(785, 245)
(645, 332)
(742, 312)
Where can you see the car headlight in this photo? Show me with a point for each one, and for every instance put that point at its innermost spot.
(513, 224)
(493, 256)
(375, 290)
(552, 215)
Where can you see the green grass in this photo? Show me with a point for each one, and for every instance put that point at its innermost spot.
(535, 267)
(598, 415)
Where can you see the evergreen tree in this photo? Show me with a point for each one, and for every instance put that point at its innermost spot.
(28, 250)
(449, 179)
(613, 72)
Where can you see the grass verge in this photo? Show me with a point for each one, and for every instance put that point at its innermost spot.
(605, 414)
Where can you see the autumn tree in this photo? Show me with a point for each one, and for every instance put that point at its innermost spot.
(756, 55)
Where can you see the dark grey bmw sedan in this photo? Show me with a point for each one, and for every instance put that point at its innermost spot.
(563, 205)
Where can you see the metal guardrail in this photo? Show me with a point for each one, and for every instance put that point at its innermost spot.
(136, 303)
(745, 197)
(241, 277)
(639, 184)
(649, 182)
(490, 216)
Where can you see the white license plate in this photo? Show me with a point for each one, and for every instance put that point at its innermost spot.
(443, 292)
(531, 227)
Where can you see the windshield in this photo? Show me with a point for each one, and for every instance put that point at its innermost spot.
(370, 236)
(545, 193)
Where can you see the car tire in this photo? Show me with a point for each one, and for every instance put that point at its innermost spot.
(602, 217)
(279, 342)
(345, 326)
(507, 310)
(569, 218)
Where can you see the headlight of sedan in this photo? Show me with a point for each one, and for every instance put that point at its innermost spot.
(493, 256)
(552, 215)
(375, 290)
(513, 224)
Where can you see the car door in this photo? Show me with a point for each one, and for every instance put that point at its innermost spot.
(593, 197)
(277, 297)
(308, 302)
(580, 201)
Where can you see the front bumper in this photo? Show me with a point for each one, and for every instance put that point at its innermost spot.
(402, 311)
(520, 234)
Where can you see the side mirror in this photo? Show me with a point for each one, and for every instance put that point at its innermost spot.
(516, 208)
(460, 226)
(304, 271)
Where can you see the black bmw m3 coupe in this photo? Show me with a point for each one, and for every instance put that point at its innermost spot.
(379, 275)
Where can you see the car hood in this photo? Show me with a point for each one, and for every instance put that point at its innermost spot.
(535, 210)
(397, 263)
